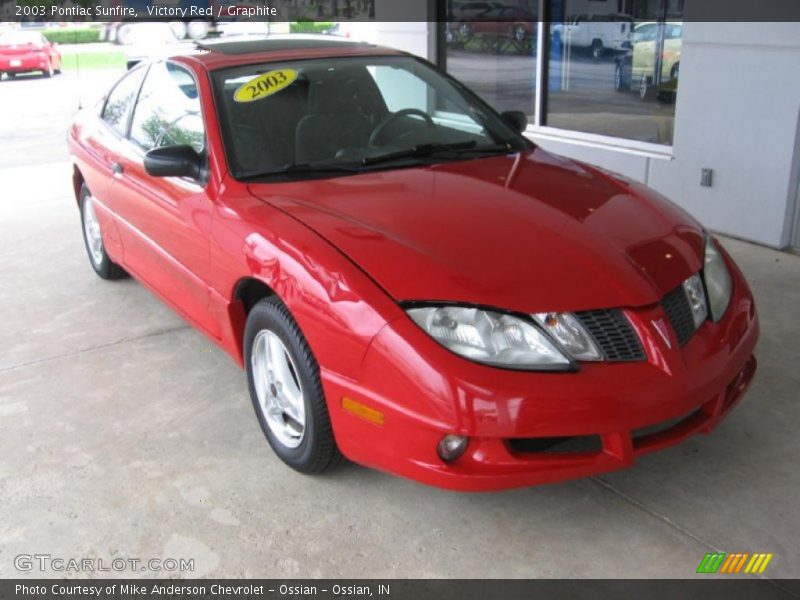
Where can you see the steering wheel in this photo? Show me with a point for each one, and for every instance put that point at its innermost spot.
(408, 112)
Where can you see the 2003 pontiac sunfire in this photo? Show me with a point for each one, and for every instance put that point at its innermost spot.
(406, 279)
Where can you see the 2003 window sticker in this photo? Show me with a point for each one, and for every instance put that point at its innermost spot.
(265, 85)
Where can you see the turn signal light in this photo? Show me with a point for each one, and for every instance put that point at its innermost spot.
(363, 411)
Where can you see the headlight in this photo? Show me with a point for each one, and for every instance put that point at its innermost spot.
(490, 337)
(719, 284)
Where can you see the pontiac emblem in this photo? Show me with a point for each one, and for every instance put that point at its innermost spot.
(662, 329)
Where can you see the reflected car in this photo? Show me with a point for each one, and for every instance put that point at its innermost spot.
(406, 280)
(516, 24)
(638, 66)
(467, 11)
(599, 34)
(26, 52)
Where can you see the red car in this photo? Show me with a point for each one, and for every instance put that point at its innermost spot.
(406, 279)
(517, 24)
(26, 51)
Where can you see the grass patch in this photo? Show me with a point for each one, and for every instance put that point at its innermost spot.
(72, 36)
(93, 60)
(309, 26)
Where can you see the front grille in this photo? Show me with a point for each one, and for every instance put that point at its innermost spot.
(679, 313)
(613, 333)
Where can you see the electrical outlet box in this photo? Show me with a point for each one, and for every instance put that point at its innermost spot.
(707, 177)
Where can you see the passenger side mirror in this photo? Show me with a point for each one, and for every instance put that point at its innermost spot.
(173, 161)
(515, 119)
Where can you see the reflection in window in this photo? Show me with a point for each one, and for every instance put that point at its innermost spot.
(120, 100)
(615, 72)
(491, 47)
(168, 111)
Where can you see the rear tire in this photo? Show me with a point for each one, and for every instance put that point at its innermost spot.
(286, 390)
(93, 239)
(621, 84)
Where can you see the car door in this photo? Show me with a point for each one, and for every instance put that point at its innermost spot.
(99, 139)
(102, 136)
(165, 221)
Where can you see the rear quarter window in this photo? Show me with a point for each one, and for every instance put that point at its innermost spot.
(120, 101)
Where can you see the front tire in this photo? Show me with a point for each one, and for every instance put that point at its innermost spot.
(286, 390)
(644, 87)
(597, 50)
(93, 239)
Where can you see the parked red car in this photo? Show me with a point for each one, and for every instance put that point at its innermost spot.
(26, 51)
(405, 278)
(509, 22)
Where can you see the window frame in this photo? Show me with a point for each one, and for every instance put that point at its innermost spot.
(538, 126)
(145, 67)
(136, 144)
(204, 178)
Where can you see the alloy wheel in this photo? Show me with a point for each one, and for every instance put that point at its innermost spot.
(91, 228)
(280, 393)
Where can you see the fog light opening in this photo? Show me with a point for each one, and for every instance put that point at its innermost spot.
(451, 447)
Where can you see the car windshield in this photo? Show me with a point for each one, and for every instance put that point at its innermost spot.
(346, 115)
(20, 38)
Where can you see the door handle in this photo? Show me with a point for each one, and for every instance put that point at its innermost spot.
(116, 169)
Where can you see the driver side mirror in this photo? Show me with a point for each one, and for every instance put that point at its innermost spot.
(173, 161)
(516, 119)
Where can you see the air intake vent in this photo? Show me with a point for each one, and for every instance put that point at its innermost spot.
(679, 313)
(613, 333)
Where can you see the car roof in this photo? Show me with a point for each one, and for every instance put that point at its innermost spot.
(242, 51)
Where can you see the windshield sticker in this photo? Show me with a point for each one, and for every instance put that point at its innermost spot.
(265, 85)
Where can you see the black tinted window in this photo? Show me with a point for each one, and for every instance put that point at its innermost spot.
(168, 112)
(120, 100)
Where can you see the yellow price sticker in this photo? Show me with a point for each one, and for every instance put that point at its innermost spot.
(265, 85)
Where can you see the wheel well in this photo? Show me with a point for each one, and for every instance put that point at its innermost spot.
(250, 291)
(247, 293)
(77, 182)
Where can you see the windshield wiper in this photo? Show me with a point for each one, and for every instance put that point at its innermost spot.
(423, 150)
(300, 169)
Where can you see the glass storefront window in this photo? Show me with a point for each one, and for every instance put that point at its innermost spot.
(491, 47)
(614, 73)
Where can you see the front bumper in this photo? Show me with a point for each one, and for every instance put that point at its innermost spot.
(624, 410)
(24, 63)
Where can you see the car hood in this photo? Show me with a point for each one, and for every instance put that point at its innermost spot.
(528, 232)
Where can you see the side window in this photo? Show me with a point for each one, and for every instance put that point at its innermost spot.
(168, 112)
(120, 100)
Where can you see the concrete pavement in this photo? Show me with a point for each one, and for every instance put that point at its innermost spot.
(125, 433)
